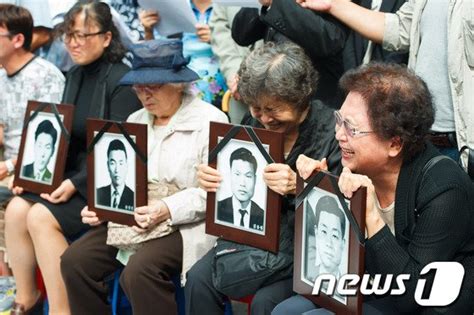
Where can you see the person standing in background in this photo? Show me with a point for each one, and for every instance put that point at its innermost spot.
(211, 86)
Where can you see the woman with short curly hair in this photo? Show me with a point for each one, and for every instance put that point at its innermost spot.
(419, 205)
(277, 82)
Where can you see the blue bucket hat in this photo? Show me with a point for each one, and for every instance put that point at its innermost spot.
(158, 62)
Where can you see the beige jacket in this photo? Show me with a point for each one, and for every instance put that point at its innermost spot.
(224, 47)
(184, 147)
(402, 33)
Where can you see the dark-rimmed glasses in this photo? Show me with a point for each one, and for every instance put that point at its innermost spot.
(78, 37)
(349, 129)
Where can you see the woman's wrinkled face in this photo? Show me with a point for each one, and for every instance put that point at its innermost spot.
(85, 41)
(364, 153)
(159, 99)
(276, 115)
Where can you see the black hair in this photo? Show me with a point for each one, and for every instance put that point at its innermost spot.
(47, 127)
(116, 145)
(329, 204)
(244, 155)
(17, 20)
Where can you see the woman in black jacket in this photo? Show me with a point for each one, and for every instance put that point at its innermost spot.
(38, 227)
(419, 209)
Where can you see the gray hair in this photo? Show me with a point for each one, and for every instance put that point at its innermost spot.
(282, 71)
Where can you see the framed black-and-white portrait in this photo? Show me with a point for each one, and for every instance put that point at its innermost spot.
(116, 169)
(45, 136)
(244, 209)
(328, 241)
(325, 236)
(242, 195)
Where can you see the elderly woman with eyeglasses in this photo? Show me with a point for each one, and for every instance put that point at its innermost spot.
(277, 81)
(39, 227)
(419, 206)
(178, 136)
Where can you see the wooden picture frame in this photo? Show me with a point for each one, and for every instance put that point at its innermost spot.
(248, 150)
(117, 157)
(44, 141)
(342, 245)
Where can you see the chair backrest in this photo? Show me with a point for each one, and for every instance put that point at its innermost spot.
(234, 108)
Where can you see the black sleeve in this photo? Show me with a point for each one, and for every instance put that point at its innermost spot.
(247, 28)
(79, 180)
(123, 103)
(442, 228)
(319, 34)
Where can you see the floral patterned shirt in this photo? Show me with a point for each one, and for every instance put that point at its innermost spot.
(38, 80)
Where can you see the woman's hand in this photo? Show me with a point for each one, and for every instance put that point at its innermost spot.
(149, 18)
(280, 178)
(208, 178)
(316, 5)
(203, 32)
(90, 217)
(306, 166)
(62, 194)
(349, 183)
(232, 84)
(148, 216)
(17, 190)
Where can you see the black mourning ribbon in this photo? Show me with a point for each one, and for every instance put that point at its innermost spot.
(124, 132)
(231, 134)
(313, 181)
(55, 111)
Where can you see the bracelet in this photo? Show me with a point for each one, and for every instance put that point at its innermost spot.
(10, 167)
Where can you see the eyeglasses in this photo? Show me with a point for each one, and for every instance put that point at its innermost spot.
(147, 88)
(78, 37)
(5, 35)
(348, 127)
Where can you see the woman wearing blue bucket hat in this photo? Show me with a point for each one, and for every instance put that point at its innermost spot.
(171, 237)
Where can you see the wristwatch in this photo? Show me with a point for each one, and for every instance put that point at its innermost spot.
(10, 167)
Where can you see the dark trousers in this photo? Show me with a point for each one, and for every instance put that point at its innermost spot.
(146, 279)
(203, 298)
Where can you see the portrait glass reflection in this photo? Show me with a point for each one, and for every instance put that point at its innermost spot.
(114, 173)
(325, 239)
(41, 148)
(242, 197)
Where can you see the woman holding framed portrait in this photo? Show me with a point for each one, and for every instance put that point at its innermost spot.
(278, 82)
(39, 227)
(178, 135)
(419, 203)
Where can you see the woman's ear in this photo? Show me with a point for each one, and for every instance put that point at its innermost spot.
(396, 146)
(107, 39)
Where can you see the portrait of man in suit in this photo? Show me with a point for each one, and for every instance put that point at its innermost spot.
(325, 255)
(45, 143)
(239, 209)
(117, 195)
